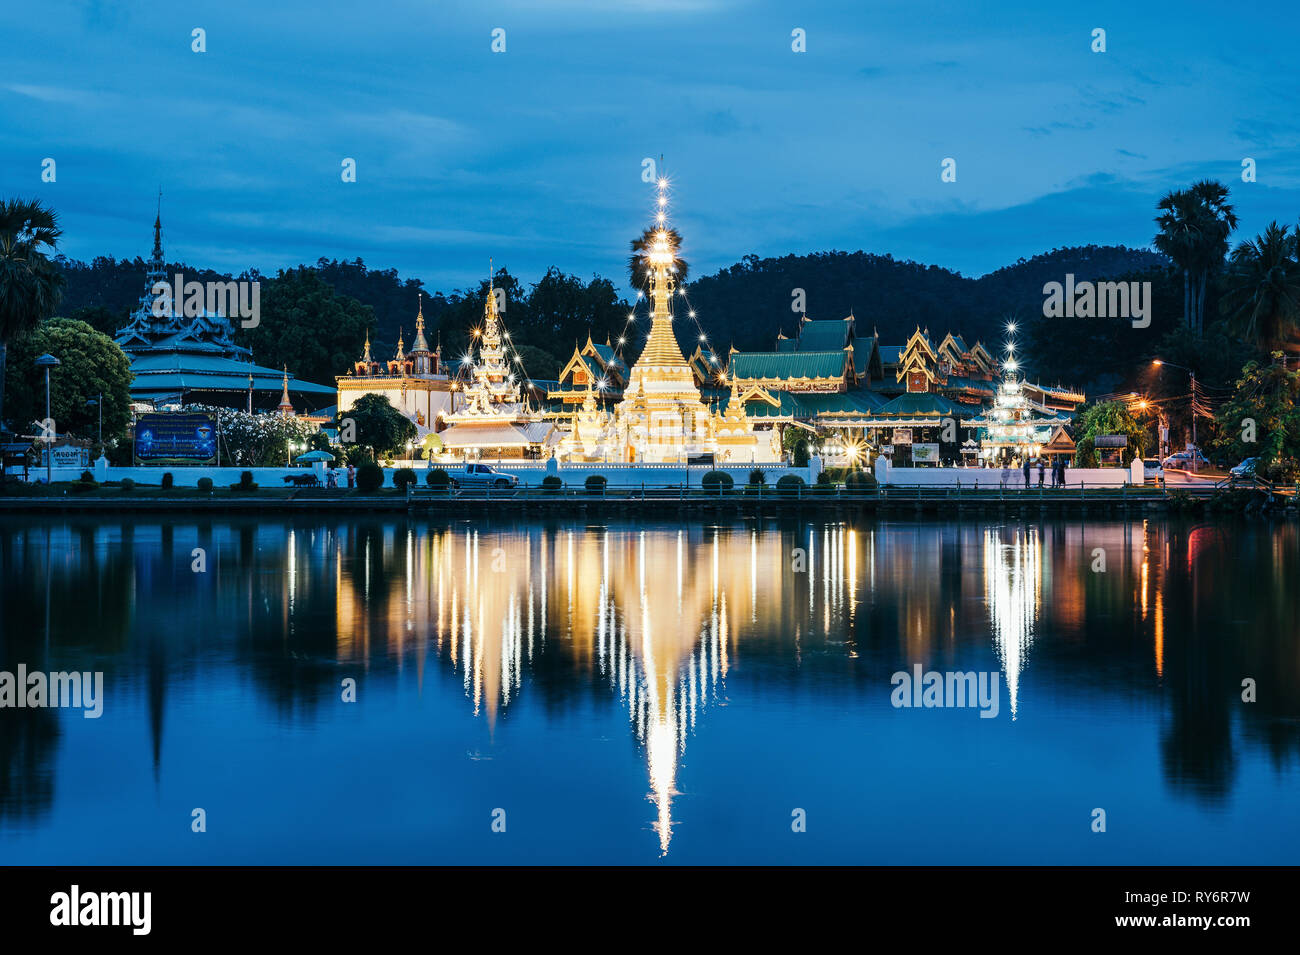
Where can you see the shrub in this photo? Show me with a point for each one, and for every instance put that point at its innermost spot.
(859, 480)
(245, 482)
(717, 479)
(824, 478)
(438, 478)
(790, 484)
(595, 484)
(370, 477)
(127, 485)
(551, 484)
(799, 457)
(757, 477)
(84, 484)
(205, 484)
(402, 477)
(167, 480)
(86, 478)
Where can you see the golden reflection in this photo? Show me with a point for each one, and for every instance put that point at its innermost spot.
(661, 618)
(1013, 582)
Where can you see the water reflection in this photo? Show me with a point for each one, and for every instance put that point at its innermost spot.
(653, 622)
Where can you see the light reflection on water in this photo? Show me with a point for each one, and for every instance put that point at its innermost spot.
(778, 624)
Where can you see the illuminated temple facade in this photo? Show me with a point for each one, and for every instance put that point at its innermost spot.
(414, 382)
(662, 415)
(493, 417)
(831, 378)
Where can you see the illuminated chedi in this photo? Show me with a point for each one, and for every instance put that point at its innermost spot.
(492, 419)
(1014, 430)
(661, 417)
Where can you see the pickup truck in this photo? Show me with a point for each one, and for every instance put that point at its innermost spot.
(480, 475)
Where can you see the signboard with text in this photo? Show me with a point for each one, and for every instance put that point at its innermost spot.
(925, 453)
(175, 439)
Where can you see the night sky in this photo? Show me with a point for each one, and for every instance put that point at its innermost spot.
(534, 156)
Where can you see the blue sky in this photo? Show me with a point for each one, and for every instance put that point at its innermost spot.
(533, 156)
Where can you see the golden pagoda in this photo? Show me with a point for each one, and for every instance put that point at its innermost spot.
(661, 417)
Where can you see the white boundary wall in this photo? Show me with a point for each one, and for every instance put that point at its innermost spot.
(528, 472)
(1013, 478)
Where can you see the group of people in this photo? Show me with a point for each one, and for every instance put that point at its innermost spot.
(332, 477)
(1058, 471)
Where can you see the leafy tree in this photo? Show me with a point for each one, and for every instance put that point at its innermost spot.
(1107, 417)
(638, 264)
(539, 363)
(1194, 227)
(101, 319)
(1262, 419)
(91, 364)
(30, 282)
(308, 326)
(379, 426)
(1262, 298)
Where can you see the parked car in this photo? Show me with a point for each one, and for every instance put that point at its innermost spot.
(1186, 460)
(1151, 469)
(1245, 469)
(480, 475)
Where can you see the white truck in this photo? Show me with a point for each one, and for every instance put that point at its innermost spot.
(480, 475)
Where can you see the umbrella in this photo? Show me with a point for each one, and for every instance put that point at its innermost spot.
(315, 456)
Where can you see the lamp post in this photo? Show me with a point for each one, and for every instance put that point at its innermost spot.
(47, 361)
(1157, 363)
(98, 402)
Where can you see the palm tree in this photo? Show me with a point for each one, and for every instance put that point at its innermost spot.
(30, 283)
(1194, 227)
(636, 264)
(1262, 299)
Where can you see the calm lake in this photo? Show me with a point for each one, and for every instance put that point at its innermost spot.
(622, 693)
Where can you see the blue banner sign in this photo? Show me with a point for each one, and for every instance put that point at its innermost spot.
(175, 439)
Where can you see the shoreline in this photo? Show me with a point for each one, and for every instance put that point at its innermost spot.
(893, 501)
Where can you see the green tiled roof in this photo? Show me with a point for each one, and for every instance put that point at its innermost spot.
(890, 354)
(786, 344)
(805, 406)
(606, 353)
(917, 404)
(824, 335)
(159, 373)
(862, 348)
(973, 384)
(786, 365)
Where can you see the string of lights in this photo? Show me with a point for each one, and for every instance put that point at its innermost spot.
(701, 336)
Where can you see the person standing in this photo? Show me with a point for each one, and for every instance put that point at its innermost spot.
(1026, 470)
(1040, 472)
(352, 476)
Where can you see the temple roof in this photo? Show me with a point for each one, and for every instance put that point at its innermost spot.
(922, 404)
(825, 334)
(787, 365)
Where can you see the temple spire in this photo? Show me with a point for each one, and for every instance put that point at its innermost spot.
(421, 343)
(661, 347)
(286, 407)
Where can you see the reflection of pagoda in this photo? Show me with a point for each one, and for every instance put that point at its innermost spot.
(179, 359)
(492, 420)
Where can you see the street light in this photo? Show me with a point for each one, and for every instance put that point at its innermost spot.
(98, 402)
(47, 361)
(1157, 363)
